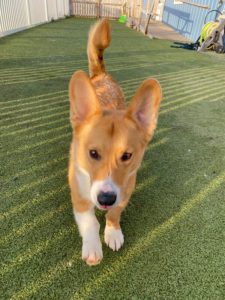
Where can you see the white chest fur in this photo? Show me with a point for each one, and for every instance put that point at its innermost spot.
(84, 183)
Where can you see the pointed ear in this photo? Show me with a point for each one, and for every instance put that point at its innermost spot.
(144, 106)
(83, 99)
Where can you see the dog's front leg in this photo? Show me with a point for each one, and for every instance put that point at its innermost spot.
(113, 233)
(89, 230)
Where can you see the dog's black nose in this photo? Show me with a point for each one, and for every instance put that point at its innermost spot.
(106, 199)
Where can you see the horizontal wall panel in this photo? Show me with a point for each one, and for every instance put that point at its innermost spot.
(188, 19)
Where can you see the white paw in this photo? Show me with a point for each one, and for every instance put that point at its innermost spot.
(92, 251)
(113, 238)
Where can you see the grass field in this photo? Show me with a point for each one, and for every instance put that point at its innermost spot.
(175, 224)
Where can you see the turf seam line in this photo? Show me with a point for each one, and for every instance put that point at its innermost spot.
(31, 203)
(33, 97)
(35, 119)
(30, 104)
(27, 227)
(59, 97)
(169, 84)
(33, 107)
(19, 131)
(35, 70)
(41, 143)
(35, 250)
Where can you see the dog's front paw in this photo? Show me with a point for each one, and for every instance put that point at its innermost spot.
(114, 238)
(92, 252)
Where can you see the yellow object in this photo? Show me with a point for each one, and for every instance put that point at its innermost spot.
(207, 31)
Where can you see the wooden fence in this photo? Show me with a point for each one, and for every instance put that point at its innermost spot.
(149, 11)
(105, 8)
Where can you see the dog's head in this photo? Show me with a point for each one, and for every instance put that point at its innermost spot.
(109, 145)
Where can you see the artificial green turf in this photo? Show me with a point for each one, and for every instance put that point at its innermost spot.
(175, 224)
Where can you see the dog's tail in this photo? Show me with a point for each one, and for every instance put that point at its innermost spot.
(99, 39)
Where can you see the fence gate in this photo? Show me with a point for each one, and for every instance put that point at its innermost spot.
(98, 8)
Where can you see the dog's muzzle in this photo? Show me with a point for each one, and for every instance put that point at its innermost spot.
(105, 193)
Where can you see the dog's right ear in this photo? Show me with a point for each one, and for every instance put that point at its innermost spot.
(83, 99)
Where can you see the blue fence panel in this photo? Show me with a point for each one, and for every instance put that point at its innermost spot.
(187, 19)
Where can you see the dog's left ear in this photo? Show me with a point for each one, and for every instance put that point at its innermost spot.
(144, 106)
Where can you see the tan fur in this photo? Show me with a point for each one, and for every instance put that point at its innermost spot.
(108, 92)
(101, 121)
(99, 39)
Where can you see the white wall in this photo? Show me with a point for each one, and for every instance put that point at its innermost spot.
(17, 15)
(60, 6)
(37, 11)
(52, 10)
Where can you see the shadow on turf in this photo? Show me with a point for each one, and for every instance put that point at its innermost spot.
(157, 198)
(185, 46)
(150, 206)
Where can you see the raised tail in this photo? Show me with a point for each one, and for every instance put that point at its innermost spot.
(99, 39)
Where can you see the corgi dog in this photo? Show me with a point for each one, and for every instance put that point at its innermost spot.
(108, 144)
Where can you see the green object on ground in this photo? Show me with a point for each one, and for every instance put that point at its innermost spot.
(122, 19)
(174, 225)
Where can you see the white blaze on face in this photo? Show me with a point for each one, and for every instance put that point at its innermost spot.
(90, 191)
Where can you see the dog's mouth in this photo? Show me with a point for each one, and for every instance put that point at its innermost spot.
(104, 207)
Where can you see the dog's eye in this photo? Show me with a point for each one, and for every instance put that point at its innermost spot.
(94, 154)
(126, 156)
